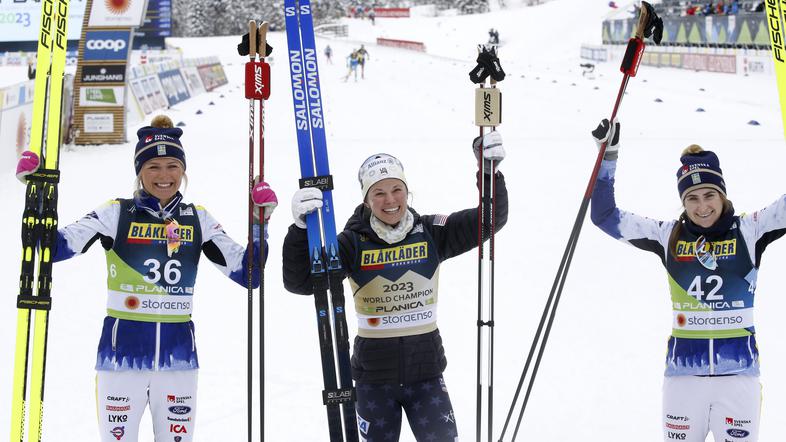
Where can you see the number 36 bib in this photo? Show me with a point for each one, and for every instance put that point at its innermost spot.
(144, 283)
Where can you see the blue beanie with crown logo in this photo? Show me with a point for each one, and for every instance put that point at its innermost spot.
(701, 169)
(158, 142)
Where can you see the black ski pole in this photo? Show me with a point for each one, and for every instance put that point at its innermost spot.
(488, 113)
(649, 25)
(252, 34)
(265, 84)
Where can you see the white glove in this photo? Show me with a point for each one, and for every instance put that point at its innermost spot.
(305, 201)
(492, 148)
(601, 134)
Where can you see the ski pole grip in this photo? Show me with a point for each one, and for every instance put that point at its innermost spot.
(323, 183)
(632, 58)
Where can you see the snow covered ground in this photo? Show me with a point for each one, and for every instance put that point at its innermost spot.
(601, 377)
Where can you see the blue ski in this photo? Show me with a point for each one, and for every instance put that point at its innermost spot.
(325, 263)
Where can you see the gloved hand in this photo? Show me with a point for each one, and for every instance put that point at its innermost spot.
(263, 196)
(601, 135)
(28, 164)
(305, 201)
(492, 148)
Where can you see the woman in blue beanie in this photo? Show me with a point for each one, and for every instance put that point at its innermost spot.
(153, 242)
(712, 257)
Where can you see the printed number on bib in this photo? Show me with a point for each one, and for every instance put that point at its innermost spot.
(171, 273)
(695, 289)
(408, 286)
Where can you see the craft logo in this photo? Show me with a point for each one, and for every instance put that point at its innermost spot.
(117, 7)
(686, 250)
(408, 254)
(146, 233)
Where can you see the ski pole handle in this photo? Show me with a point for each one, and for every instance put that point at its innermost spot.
(252, 40)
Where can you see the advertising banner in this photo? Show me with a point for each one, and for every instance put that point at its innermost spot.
(212, 76)
(99, 123)
(101, 96)
(107, 45)
(104, 74)
(117, 13)
(193, 81)
(19, 19)
(174, 86)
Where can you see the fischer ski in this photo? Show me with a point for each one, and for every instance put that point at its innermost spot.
(39, 223)
(325, 263)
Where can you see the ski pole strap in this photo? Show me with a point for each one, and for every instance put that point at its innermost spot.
(323, 182)
(338, 396)
(485, 323)
(45, 176)
(34, 302)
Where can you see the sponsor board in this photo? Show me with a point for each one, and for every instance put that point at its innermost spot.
(404, 44)
(99, 123)
(193, 81)
(174, 86)
(111, 96)
(119, 13)
(19, 19)
(104, 74)
(107, 45)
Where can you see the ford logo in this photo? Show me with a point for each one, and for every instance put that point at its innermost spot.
(182, 409)
(734, 432)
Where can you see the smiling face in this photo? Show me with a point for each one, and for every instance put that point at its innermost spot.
(704, 206)
(387, 200)
(161, 177)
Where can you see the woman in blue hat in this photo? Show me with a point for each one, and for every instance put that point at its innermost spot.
(712, 256)
(153, 241)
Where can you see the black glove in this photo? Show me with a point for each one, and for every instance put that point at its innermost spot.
(243, 46)
(488, 64)
(601, 135)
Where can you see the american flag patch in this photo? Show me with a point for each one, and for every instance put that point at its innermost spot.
(440, 220)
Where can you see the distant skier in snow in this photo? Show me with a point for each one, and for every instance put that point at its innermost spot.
(153, 241)
(329, 54)
(362, 55)
(352, 65)
(391, 255)
(712, 257)
(493, 37)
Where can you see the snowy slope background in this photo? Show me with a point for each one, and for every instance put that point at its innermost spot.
(601, 377)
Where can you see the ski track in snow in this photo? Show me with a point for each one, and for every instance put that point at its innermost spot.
(600, 379)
